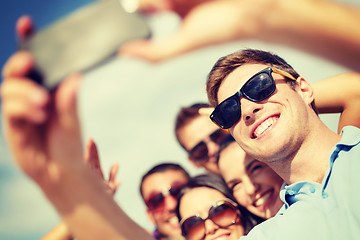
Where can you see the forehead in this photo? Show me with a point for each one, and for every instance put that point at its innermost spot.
(231, 159)
(236, 79)
(233, 162)
(204, 198)
(159, 181)
(197, 130)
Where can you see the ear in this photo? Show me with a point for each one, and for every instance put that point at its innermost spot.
(150, 216)
(194, 163)
(305, 90)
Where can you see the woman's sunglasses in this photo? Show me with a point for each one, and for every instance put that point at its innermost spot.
(200, 152)
(258, 88)
(223, 213)
(156, 201)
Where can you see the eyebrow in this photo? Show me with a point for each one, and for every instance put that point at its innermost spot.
(250, 164)
(233, 181)
(247, 169)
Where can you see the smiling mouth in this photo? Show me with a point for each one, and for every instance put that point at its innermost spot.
(260, 202)
(265, 126)
(222, 237)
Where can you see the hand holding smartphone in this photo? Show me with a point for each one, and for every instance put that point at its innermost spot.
(82, 40)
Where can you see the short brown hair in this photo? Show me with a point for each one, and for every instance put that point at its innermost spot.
(225, 65)
(162, 167)
(187, 115)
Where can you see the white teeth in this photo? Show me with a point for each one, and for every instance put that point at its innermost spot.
(261, 201)
(265, 125)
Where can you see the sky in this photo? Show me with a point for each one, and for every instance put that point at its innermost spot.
(43, 13)
(128, 106)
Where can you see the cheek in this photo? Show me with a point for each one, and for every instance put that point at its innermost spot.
(272, 179)
(241, 197)
(237, 231)
(239, 133)
(158, 217)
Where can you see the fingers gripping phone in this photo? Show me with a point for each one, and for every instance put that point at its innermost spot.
(82, 40)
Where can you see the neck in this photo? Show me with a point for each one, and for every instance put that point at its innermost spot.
(311, 160)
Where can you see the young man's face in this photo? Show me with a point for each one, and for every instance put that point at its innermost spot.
(164, 216)
(269, 130)
(197, 132)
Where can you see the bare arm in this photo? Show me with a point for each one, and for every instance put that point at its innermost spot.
(43, 134)
(91, 158)
(340, 94)
(322, 27)
(59, 232)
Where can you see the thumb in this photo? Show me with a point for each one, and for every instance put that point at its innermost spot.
(66, 104)
(24, 27)
(65, 137)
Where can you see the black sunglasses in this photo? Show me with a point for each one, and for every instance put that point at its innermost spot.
(223, 213)
(156, 200)
(258, 88)
(200, 152)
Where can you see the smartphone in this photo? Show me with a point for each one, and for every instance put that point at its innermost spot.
(82, 40)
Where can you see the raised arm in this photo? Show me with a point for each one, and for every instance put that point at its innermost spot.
(320, 27)
(340, 94)
(59, 232)
(43, 134)
(91, 158)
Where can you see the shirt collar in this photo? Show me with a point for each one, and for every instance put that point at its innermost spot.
(294, 192)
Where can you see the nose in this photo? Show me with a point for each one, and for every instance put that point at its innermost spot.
(170, 203)
(249, 109)
(250, 187)
(210, 227)
(213, 148)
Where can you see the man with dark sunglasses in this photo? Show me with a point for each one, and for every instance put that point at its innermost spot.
(267, 108)
(159, 189)
(199, 137)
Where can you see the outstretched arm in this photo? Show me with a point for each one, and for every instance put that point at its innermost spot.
(91, 158)
(59, 232)
(320, 27)
(340, 94)
(43, 134)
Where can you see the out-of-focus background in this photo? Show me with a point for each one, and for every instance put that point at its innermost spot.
(128, 106)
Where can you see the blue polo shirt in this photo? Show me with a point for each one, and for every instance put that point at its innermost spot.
(327, 210)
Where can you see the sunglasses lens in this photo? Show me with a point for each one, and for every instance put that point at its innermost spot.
(227, 113)
(223, 215)
(259, 87)
(193, 228)
(175, 190)
(155, 202)
(218, 136)
(199, 152)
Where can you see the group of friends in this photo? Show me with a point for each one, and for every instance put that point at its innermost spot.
(275, 170)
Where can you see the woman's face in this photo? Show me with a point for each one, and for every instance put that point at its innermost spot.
(255, 185)
(198, 201)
